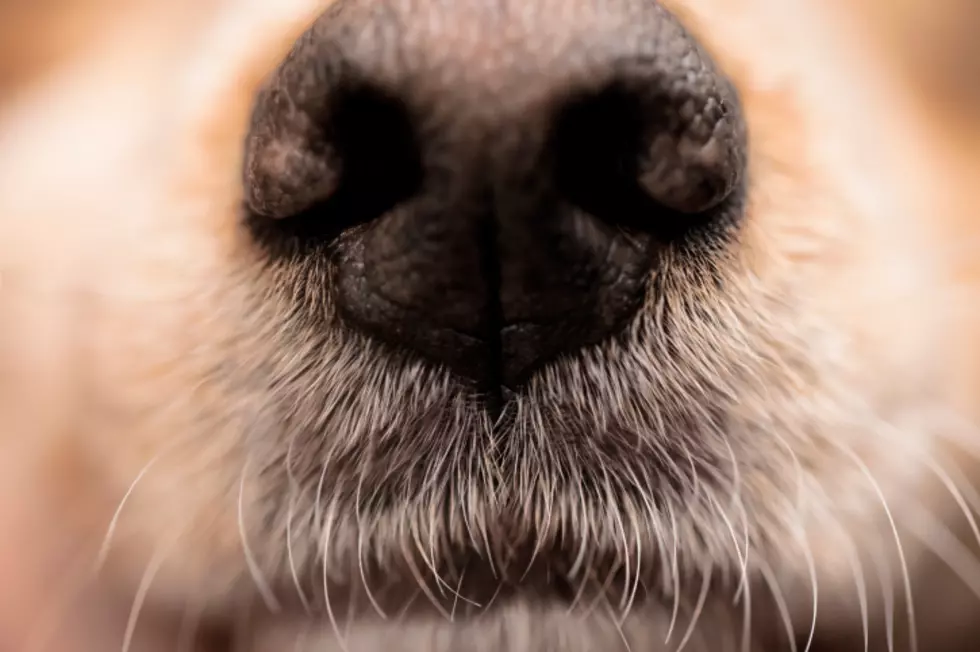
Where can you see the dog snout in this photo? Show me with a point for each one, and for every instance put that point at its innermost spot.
(492, 184)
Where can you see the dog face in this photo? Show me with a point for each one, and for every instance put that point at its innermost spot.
(488, 311)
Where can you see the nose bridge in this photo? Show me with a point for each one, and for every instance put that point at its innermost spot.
(490, 59)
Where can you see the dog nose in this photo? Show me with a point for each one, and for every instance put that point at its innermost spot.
(492, 185)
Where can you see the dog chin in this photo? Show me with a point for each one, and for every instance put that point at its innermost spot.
(526, 624)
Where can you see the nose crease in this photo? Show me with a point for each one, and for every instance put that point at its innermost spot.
(493, 186)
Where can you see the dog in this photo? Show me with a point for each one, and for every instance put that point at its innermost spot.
(489, 325)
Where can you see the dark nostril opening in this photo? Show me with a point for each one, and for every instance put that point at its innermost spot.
(365, 148)
(596, 141)
(602, 143)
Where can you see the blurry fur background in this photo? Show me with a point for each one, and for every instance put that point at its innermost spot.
(930, 45)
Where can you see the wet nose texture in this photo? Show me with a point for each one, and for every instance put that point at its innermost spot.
(491, 184)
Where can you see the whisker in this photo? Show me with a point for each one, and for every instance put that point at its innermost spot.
(257, 576)
(417, 574)
(906, 576)
(857, 571)
(114, 522)
(361, 528)
(602, 594)
(956, 430)
(742, 559)
(770, 578)
(675, 573)
(747, 617)
(152, 568)
(327, 532)
(619, 627)
(812, 569)
(698, 608)
(290, 513)
(887, 585)
(621, 530)
(936, 536)
(318, 501)
(459, 586)
(630, 597)
(957, 495)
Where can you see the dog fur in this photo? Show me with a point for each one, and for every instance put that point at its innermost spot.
(785, 440)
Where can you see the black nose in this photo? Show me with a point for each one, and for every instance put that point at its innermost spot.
(492, 183)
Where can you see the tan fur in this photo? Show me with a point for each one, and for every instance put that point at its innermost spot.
(127, 294)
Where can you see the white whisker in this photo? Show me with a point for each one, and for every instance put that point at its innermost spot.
(327, 534)
(957, 495)
(906, 576)
(887, 584)
(114, 522)
(152, 568)
(857, 571)
(304, 601)
(675, 573)
(812, 570)
(747, 617)
(257, 576)
(361, 528)
(698, 608)
(770, 578)
(936, 536)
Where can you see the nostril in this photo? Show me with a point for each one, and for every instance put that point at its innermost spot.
(637, 158)
(317, 168)
(597, 159)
